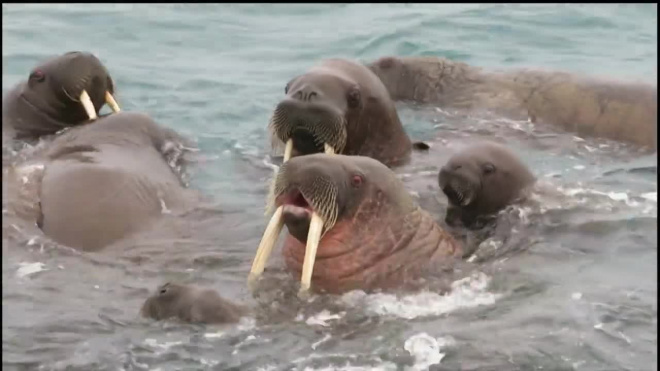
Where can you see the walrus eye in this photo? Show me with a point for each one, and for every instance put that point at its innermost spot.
(356, 181)
(489, 168)
(353, 98)
(37, 76)
(163, 290)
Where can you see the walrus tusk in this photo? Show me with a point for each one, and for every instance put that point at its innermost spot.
(328, 149)
(88, 105)
(313, 239)
(288, 149)
(266, 246)
(110, 100)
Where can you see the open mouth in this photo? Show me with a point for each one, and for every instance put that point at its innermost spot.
(303, 222)
(304, 143)
(455, 196)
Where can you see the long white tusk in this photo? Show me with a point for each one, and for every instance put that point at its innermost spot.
(88, 105)
(328, 149)
(313, 239)
(288, 149)
(110, 100)
(266, 246)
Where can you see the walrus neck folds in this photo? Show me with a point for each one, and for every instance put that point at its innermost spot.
(377, 248)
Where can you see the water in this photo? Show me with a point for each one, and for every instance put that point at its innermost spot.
(567, 283)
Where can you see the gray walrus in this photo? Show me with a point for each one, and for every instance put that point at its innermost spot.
(621, 111)
(191, 304)
(342, 107)
(352, 225)
(481, 180)
(103, 181)
(62, 92)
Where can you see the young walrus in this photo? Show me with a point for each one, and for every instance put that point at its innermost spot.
(481, 180)
(191, 304)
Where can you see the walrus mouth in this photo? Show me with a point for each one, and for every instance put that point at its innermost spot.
(315, 200)
(310, 129)
(458, 195)
(87, 104)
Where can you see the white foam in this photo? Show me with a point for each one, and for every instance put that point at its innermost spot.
(322, 318)
(27, 269)
(425, 349)
(166, 345)
(651, 196)
(465, 293)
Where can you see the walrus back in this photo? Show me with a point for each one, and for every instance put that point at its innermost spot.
(96, 198)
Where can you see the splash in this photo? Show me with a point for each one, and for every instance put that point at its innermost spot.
(465, 293)
(425, 349)
(28, 269)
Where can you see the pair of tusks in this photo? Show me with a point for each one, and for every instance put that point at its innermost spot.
(273, 231)
(89, 106)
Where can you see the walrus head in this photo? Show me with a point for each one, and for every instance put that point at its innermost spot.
(69, 89)
(341, 107)
(351, 222)
(482, 179)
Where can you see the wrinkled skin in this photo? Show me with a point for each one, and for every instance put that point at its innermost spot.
(48, 101)
(191, 304)
(626, 112)
(343, 104)
(376, 237)
(109, 179)
(481, 180)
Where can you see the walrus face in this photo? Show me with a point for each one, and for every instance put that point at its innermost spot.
(461, 180)
(70, 88)
(482, 179)
(333, 204)
(314, 116)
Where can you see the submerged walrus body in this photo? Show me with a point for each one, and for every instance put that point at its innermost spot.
(191, 304)
(352, 225)
(106, 180)
(614, 110)
(62, 92)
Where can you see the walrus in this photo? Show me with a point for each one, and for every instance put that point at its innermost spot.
(481, 180)
(104, 181)
(352, 225)
(339, 106)
(626, 112)
(64, 91)
(191, 304)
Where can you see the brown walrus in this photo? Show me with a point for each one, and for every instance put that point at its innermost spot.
(353, 224)
(104, 181)
(339, 106)
(615, 110)
(62, 92)
(191, 304)
(481, 180)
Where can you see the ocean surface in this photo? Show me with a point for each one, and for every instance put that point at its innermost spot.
(570, 284)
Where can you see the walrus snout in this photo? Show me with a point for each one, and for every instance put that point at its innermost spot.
(457, 184)
(310, 123)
